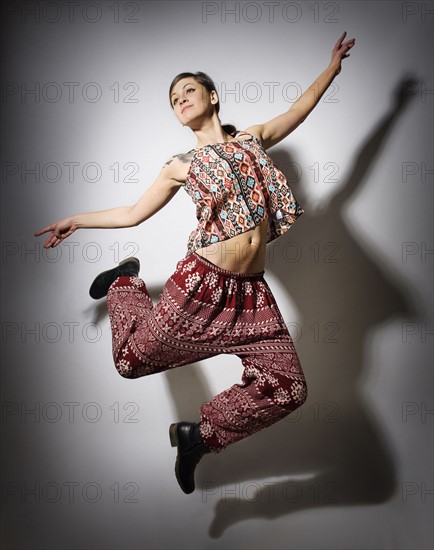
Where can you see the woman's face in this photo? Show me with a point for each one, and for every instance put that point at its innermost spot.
(190, 100)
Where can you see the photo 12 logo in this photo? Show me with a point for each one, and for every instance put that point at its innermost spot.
(71, 12)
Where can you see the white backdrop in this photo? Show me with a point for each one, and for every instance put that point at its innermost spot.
(87, 125)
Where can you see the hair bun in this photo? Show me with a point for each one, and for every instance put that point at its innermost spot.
(229, 129)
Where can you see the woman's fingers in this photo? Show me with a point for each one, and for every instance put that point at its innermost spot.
(349, 43)
(340, 39)
(342, 49)
(60, 230)
(55, 239)
(47, 243)
(51, 242)
(51, 238)
(41, 231)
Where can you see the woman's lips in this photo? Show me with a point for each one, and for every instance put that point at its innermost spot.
(186, 108)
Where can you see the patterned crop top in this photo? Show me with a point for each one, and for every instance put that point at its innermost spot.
(235, 186)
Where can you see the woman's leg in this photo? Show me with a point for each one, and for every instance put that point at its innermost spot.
(272, 387)
(147, 339)
(273, 383)
(204, 311)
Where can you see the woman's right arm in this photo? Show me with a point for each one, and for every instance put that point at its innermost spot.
(158, 195)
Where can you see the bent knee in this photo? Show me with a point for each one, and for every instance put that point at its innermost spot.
(296, 390)
(131, 371)
(125, 373)
(129, 365)
(301, 391)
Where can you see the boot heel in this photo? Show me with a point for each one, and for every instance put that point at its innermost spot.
(173, 435)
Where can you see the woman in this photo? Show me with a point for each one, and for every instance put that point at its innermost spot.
(217, 300)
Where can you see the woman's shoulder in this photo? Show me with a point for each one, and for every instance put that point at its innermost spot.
(179, 165)
(254, 131)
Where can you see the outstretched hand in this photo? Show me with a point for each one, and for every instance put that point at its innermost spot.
(60, 230)
(340, 51)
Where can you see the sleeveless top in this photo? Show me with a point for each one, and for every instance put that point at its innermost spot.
(235, 186)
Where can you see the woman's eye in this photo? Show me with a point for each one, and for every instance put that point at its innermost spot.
(189, 90)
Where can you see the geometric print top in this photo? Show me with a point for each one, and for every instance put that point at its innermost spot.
(235, 186)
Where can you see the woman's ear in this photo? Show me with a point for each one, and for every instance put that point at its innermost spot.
(214, 97)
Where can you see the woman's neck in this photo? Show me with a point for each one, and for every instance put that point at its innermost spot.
(211, 134)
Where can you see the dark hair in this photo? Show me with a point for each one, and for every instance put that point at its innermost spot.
(208, 83)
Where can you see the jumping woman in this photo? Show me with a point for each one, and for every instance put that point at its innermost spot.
(219, 306)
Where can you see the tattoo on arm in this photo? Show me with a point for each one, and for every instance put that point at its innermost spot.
(183, 157)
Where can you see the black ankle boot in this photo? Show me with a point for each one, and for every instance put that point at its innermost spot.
(191, 448)
(99, 288)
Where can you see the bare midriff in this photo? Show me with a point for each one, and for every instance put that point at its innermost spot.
(243, 253)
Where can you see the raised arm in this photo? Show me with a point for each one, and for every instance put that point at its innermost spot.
(158, 195)
(278, 128)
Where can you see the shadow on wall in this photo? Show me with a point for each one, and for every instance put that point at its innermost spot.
(341, 292)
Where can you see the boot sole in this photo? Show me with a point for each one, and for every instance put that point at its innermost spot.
(131, 259)
(98, 295)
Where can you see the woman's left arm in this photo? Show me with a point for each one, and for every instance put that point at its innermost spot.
(278, 128)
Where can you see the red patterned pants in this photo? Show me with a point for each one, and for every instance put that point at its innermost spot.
(203, 311)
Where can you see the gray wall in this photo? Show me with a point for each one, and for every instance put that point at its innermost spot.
(86, 460)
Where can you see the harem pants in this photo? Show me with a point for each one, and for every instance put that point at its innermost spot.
(203, 311)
